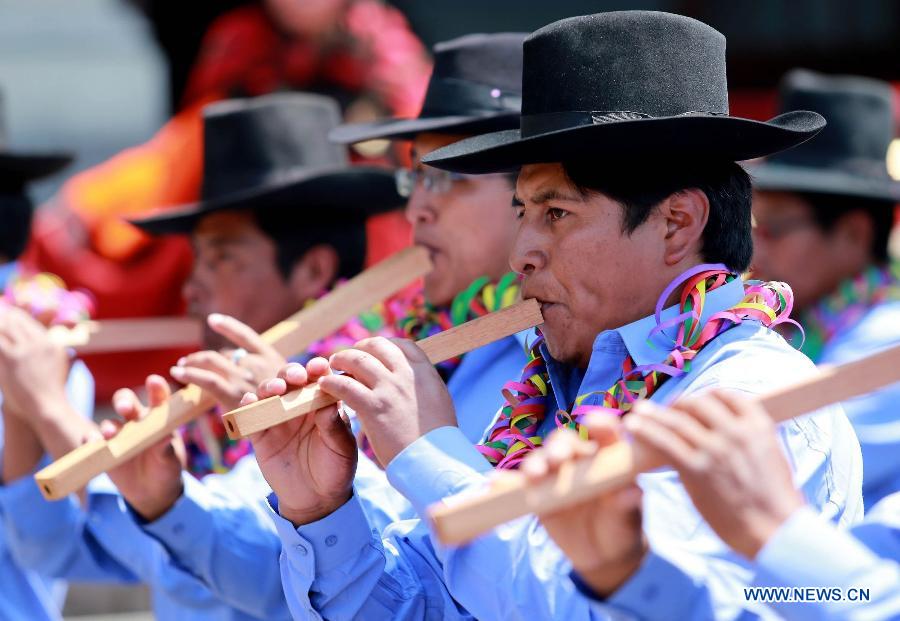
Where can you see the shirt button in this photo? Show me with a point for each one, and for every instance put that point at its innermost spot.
(330, 540)
(301, 549)
(178, 529)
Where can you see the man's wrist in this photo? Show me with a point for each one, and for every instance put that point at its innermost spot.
(758, 533)
(605, 579)
(152, 508)
(307, 515)
(49, 409)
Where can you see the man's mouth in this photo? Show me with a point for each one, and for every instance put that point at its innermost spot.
(544, 303)
(432, 251)
(546, 306)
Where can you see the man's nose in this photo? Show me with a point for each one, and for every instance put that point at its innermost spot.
(528, 252)
(419, 207)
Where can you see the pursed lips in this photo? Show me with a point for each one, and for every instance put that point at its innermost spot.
(544, 302)
(432, 250)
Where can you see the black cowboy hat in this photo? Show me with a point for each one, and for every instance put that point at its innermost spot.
(628, 84)
(18, 168)
(273, 152)
(849, 158)
(475, 87)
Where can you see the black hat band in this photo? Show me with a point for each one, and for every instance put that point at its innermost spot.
(547, 122)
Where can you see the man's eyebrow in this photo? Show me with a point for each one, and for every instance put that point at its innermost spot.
(217, 243)
(517, 202)
(552, 194)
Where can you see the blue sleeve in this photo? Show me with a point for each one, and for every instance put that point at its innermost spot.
(514, 572)
(338, 568)
(228, 543)
(536, 583)
(381, 503)
(808, 551)
(53, 538)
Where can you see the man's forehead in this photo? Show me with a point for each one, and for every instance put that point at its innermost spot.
(779, 203)
(226, 228)
(540, 183)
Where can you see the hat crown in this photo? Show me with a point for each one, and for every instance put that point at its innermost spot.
(860, 118)
(475, 74)
(646, 62)
(251, 142)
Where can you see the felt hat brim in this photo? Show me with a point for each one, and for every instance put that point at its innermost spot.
(789, 178)
(337, 192)
(407, 129)
(690, 136)
(28, 166)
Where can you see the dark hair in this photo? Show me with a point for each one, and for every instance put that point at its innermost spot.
(17, 210)
(294, 233)
(828, 209)
(639, 188)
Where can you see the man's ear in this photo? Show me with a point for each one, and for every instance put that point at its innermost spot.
(314, 273)
(685, 214)
(852, 237)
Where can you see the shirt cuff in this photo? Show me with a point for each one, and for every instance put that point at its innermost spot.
(441, 463)
(804, 550)
(319, 547)
(186, 526)
(26, 511)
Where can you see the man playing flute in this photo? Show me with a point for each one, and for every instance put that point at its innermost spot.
(634, 225)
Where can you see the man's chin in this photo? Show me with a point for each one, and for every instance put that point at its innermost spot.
(563, 351)
(436, 289)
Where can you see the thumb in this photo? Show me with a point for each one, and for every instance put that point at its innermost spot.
(603, 429)
(335, 432)
(165, 450)
(238, 333)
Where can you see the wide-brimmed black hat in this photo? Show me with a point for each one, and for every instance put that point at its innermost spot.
(625, 85)
(273, 152)
(19, 167)
(475, 87)
(849, 158)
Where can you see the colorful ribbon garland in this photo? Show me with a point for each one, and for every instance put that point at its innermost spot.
(424, 320)
(478, 299)
(846, 306)
(516, 431)
(46, 298)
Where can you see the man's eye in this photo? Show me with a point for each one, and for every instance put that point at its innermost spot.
(555, 213)
(520, 213)
(220, 259)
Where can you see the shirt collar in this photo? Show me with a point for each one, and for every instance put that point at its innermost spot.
(612, 346)
(647, 347)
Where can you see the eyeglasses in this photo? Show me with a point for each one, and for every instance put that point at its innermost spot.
(433, 180)
(778, 229)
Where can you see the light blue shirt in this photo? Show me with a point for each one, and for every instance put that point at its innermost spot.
(104, 543)
(874, 416)
(218, 537)
(214, 555)
(27, 594)
(808, 551)
(337, 568)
